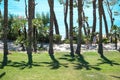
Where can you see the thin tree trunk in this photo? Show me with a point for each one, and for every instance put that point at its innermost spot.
(25, 32)
(0, 14)
(25, 37)
(110, 13)
(115, 39)
(5, 50)
(94, 19)
(100, 46)
(84, 23)
(88, 28)
(80, 9)
(111, 17)
(56, 24)
(26, 9)
(65, 19)
(105, 22)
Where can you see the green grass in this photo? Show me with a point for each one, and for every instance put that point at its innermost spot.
(89, 67)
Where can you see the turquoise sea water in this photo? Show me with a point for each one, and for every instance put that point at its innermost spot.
(17, 8)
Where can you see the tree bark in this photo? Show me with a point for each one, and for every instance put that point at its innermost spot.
(55, 21)
(65, 19)
(71, 29)
(115, 39)
(80, 9)
(51, 51)
(94, 16)
(34, 31)
(105, 22)
(30, 31)
(26, 14)
(84, 23)
(5, 28)
(56, 24)
(94, 19)
(100, 46)
(110, 13)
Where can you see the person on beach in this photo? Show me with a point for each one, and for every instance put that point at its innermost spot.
(94, 40)
(87, 40)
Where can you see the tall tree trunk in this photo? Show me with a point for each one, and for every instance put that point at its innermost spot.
(30, 31)
(5, 51)
(0, 14)
(34, 31)
(65, 19)
(25, 37)
(71, 29)
(34, 39)
(88, 28)
(94, 18)
(51, 51)
(100, 46)
(26, 14)
(111, 17)
(84, 23)
(80, 9)
(25, 31)
(105, 21)
(115, 39)
(56, 24)
(110, 13)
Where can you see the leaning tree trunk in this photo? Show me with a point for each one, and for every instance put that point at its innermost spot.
(55, 21)
(85, 30)
(71, 29)
(110, 13)
(5, 51)
(56, 24)
(111, 17)
(65, 19)
(100, 46)
(30, 31)
(105, 21)
(78, 50)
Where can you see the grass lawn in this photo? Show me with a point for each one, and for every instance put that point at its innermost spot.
(90, 66)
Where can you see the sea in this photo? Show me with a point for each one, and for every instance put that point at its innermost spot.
(17, 7)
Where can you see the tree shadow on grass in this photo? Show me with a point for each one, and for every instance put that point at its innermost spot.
(55, 64)
(105, 60)
(118, 77)
(68, 58)
(82, 63)
(2, 66)
(21, 65)
(2, 74)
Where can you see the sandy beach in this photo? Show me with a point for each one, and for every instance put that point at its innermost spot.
(62, 47)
